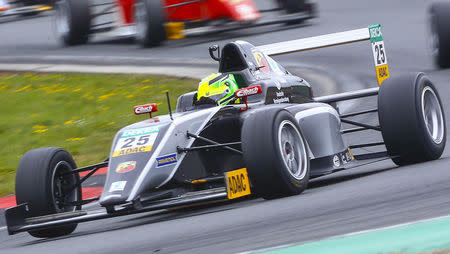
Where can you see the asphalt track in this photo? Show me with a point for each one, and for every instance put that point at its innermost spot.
(367, 197)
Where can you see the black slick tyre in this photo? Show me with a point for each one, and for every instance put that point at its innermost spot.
(40, 184)
(149, 19)
(412, 119)
(296, 6)
(72, 21)
(293, 6)
(275, 154)
(439, 18)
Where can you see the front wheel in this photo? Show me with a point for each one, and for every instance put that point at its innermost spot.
(412, 119)
(72, 21)
(275, 153)
(43, 180)
(149, 19)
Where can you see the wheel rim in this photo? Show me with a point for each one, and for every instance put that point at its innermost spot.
(432, 115)
(140, 19)
(292, 148)
(62, 187)
(62, 18)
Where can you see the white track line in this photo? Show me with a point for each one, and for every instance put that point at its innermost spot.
(345, 235)
(190, 72)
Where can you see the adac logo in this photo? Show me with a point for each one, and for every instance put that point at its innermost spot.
(126, 167)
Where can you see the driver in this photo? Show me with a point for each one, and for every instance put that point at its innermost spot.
(217, 89)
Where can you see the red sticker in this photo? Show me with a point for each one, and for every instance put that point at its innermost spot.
(144, 109)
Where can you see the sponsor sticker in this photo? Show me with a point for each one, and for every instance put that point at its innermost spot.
(350, 154)
(126, 167)
(117, 186)
(375, 33)
(379, 53)
(261, 61)
(136, 141)
(281, 100)
(336, 161)
(343, 158)
(140, 131)
(166, 160)
(238, 184)
(144, 109)
(248, 91)
(347, 156)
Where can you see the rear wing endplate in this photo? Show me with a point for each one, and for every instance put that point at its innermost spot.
(372, 33)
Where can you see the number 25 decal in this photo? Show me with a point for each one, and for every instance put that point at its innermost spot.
(141, 141)
(381, 58)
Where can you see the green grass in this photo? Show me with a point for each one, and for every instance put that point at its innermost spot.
(79, 112)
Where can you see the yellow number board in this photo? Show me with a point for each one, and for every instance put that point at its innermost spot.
(238, 184)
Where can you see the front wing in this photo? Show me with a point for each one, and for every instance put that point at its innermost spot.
(236, 185)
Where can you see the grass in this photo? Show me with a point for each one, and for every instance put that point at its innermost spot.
(79, 112)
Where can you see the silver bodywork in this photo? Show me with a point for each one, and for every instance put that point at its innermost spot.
(319, 123)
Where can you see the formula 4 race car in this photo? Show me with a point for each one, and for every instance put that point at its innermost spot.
(270, 138)
(153, 21)
(24, 7)
(439, 21)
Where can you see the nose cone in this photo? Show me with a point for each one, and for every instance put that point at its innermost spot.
(130, 153)
(122, 176)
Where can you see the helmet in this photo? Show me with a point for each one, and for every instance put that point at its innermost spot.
(217, 89)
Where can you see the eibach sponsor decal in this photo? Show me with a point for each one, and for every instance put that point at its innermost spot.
(244, 92)
(136, 141)
(144, 109)
(166, 160)
(125, 167)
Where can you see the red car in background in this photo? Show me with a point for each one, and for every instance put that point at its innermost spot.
(153, 21)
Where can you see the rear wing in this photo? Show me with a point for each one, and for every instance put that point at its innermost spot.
(372, 33)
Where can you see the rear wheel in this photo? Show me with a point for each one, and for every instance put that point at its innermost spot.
(292, 6)
(149, 19)
(275, 153)
(295, 6)
(41, 182)
(72, 21)
(439, 18)
(412, 119)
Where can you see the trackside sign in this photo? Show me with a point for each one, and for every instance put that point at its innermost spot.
(379, 53)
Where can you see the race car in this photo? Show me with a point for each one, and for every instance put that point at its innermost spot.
(439, 21)
(253, 128)
(151, 22)
(24, 7)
